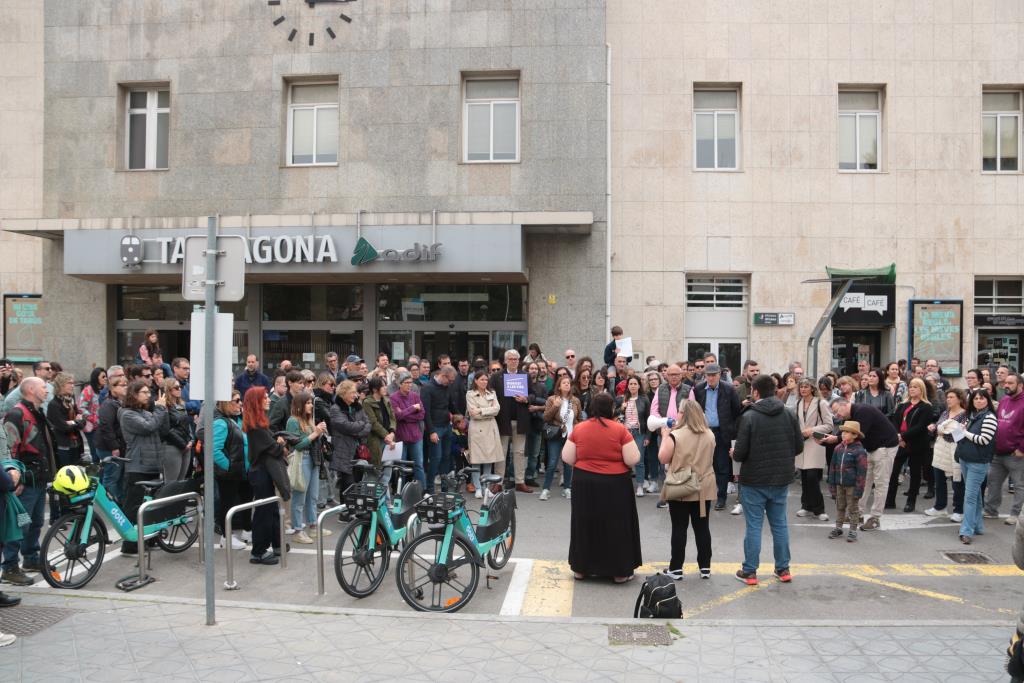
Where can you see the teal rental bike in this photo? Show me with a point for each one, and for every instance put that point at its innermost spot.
(363, 553)
(74, 546)
(445, 562)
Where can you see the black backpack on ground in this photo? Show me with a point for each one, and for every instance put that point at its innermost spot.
(657, 599)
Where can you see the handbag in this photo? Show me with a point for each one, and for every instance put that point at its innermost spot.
(363, 452)
(296, 477)
(552, 432)
(682, 483)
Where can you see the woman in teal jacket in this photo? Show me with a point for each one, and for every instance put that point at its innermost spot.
(230, 464)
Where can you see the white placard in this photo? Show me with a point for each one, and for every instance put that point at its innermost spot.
(392, 453)
(397, 351)
(234, 355)
(221, 365)
(308, 357)
(624, 347)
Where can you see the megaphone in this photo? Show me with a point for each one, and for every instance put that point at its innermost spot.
(655, 423)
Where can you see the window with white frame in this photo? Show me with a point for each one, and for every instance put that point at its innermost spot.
(716, 127)
(312, 124)
(147, 128)
(999, 296)
(490, 119)
(711, 292)
(1000, 131)
(860, 130)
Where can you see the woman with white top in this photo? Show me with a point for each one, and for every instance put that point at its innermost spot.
(562, 410)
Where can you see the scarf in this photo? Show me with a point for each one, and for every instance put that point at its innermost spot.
(15, 517)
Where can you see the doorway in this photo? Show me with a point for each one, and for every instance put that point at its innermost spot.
(400, 344)
(851, 346)
(729, 352)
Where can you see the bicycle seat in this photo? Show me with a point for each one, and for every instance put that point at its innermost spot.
(362, 465)
(403, 463)
(491, 478)
(412, 493)
(150, 484)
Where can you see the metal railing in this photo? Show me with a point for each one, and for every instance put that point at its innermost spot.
(320, 545)
(129, 584)
(230, 584)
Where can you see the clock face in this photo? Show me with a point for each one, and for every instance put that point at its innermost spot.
(309, 20)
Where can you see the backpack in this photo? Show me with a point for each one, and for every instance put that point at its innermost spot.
(658, 599)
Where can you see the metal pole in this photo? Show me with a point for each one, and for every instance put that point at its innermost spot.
(320, 545)
(231, 584)
(823, 322)
(208, 405)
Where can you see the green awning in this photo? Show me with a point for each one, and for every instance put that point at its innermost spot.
(885, 275)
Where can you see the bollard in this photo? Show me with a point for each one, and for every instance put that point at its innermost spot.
(320, 545)
(130, 583)
(230, 584)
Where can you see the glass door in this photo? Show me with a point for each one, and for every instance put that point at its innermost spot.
(851, 346)
(175, 342)
(729, 352)
(400, 344)
(999, 347)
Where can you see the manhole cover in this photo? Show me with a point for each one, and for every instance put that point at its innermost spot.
(654, 634)
(967, 557)
(28, 621)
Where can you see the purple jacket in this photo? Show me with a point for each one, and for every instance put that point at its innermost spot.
(408, 417)
(1010, 434)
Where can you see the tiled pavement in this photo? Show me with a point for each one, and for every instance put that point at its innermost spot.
(137, 639)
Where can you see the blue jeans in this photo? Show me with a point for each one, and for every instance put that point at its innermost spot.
(304, 502)
(90, 438)
(639, 468)
(533, 444)
(759, 501)
(439, 459)
(33, 499)
(413, 450)
(555, 457)
(974, 477)
(111, 476)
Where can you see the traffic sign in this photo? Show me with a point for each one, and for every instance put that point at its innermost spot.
(230, 268)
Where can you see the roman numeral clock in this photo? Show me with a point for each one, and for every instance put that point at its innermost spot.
(305, 20)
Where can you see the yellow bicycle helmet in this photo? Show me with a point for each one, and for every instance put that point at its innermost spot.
(71, 480)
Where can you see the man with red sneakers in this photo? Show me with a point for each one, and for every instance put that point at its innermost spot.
(768, 439)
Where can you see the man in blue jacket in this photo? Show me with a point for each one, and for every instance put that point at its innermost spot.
(252, 377)
(182, 369)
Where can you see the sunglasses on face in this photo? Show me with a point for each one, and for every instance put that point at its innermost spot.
(569, 356)
(236, 400)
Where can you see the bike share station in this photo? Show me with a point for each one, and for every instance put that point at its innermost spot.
(440, 547)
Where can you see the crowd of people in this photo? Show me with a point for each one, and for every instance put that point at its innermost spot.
(691, 433)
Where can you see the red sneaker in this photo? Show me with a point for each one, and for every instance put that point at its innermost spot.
(784, 575)
(749, 578)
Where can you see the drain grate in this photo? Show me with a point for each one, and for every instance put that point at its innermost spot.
(654, 634)
(967, 557)
(28, 621)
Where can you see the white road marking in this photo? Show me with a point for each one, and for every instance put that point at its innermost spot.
(512, 606)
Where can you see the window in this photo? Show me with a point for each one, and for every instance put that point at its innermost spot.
(716, 293)
(999, 297)
(313, 124)
(860, 129)
(716, 126)
(147, 124)
(491, 120)
(1000, 131)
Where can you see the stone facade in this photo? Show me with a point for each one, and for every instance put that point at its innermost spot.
(788, 212)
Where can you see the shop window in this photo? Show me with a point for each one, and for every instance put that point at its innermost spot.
(716, 125)
(313, 302)
(163, 302)
(860, 130)
(312, 124)
(999, 297)
(147, 128)
(1000, 131)
(443, 303)
(716, 293)
(490, 119)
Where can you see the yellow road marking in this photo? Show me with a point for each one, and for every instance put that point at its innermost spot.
(550, 591)
(925, 593)
(909, 570)
(719, 601)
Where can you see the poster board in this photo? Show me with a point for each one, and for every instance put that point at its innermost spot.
(23, 328)
(937, 332)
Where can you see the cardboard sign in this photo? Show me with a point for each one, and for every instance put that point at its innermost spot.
(624, 347)
(517, 385)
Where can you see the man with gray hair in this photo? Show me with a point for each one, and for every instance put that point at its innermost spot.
(513, 422)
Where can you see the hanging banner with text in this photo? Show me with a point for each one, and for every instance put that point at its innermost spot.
(23, 328)
(936, 331)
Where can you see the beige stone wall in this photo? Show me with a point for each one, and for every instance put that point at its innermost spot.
(788, 212)
(21, 141)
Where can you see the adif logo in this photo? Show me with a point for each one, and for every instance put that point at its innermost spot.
(366, 253)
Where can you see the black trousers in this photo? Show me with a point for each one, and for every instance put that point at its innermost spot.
(133, 498)
(917, 462)
(684, 514)
(266, 519)
(232, 492)
(810, 492)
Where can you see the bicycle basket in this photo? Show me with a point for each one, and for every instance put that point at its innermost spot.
(438, 508)
(364, 496)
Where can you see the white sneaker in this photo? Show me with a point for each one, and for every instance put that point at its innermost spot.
(737, 509)
(7, 639)
(290, 531)
(802, 513)
(640, 492)
(545, 494)
(302, 537)
(1010, 521)
(956, 517)
(236, 544)
(567, 494)
(246, 536)
(311, 532)
(653, 487)
(674, 574)
(932, 512)
(823, 517)
(731, 489)
(478, 493)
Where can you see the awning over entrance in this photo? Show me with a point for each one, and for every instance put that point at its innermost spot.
(885, 275)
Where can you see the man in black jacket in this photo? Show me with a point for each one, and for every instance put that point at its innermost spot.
(881, 441)
(281, 409)
(513, 422)
(721, 406)
(438, 407)
(768, 439)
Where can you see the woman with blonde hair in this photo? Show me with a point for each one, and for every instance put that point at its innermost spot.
(814, 417)
(912, 419)
(690, 445)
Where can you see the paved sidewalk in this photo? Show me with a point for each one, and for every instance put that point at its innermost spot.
(134, 638)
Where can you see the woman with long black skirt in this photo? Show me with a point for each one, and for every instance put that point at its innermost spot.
(605, 529)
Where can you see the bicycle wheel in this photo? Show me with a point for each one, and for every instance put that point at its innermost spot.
(359, 569)
(427, 586)
(68, 563)
(180, 537)
(499, 554)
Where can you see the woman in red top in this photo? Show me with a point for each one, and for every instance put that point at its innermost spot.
(605, 528)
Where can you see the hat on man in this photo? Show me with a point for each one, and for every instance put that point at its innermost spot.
(853, 427)
(712, 369)
(353, 358)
